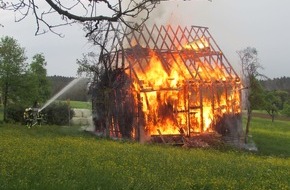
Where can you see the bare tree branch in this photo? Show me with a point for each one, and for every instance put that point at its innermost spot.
(81, 11)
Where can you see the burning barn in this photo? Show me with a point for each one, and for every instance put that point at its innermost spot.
(166, 80)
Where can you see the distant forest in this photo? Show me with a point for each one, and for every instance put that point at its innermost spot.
(282, 83)
(78, 92)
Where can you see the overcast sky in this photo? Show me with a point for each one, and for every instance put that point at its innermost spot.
(234, 24)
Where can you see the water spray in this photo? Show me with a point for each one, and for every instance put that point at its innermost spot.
(66, 88)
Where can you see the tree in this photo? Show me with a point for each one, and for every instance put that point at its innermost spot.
(12, 68)
(99, 67)
(37, 73)
(257, 95)
(286, 110)
(284, 96)
(104, 86)
(253, 90)
(272, 103)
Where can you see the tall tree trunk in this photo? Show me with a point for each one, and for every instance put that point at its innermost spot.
(273, 116)
(5, 102)
(107, 135)
(249, 118)
(108, 113)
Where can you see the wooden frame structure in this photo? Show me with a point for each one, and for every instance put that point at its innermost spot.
(206, 72)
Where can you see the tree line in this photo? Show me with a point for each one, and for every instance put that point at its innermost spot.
(21, 83)
(281, 83)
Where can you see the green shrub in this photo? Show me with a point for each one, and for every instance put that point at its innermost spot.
(15, 113)
(58, 114)
(286, 110)
(55, 114)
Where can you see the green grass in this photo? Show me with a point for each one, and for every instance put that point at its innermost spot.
(272, 138)
(79, 104)
(51, 157)
(1, 113)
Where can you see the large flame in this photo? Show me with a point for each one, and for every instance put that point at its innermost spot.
(172, 103)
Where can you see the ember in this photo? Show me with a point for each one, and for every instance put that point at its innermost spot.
(176, 81)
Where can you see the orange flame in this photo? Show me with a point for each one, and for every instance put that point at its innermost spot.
(171, 103)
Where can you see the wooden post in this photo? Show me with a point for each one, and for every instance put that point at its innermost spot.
(68, 108)
(213, 90)
(188, 108)
(201, 108)
(226, 91)
(139, 117)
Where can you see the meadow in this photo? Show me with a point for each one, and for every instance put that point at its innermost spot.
(53, 157)
(81, 105)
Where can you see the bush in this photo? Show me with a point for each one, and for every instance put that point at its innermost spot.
(58, 114)
(286, 110)
(15, 113)
(55, 114)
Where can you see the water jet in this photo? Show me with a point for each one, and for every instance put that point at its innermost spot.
(66, 88)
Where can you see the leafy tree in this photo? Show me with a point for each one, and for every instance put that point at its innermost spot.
(37, 74)
(257, 95)
(253, 89)
(283, 96)
(12, 66)
(286, 110)
(272, 103)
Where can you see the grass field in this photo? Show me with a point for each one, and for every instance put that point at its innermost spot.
(272, 138)
(51, 157)
(76, 104)
(80, 105)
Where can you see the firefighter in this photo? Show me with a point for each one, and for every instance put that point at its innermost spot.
(28, 117)
(39, 118)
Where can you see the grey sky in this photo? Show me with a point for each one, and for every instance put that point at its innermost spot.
(235, 25)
